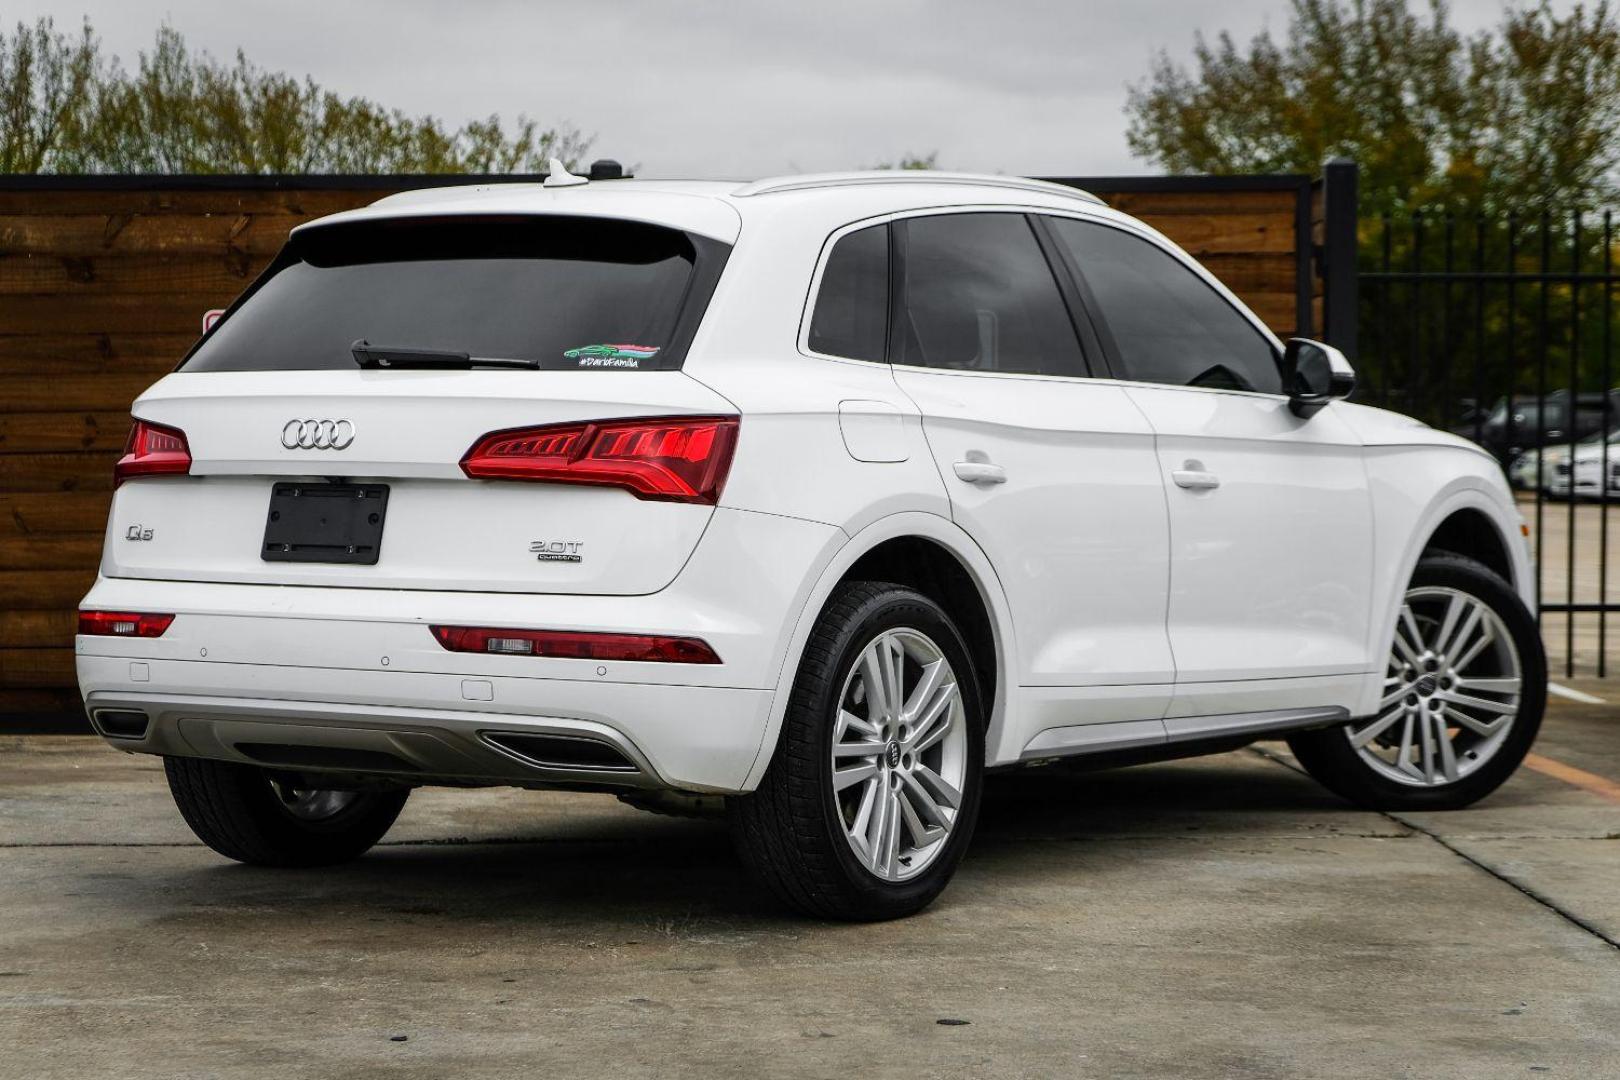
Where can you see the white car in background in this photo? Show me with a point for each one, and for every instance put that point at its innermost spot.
(1583, 476)
(1537, 469)
(825, 494)
(1548, 468)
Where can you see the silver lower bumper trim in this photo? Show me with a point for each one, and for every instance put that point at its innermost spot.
(417, 745)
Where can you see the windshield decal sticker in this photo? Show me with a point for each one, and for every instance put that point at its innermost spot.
(612, 355)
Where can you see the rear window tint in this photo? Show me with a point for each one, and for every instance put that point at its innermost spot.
(852, 306)
(568, 292)
(979, 295)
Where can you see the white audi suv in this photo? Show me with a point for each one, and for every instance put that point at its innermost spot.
(825, 494)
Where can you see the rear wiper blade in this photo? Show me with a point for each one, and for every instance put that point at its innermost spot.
(368, 355)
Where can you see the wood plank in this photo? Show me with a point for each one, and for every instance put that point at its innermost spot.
(17, 704)
(34, 432)
(91, 353)
(125, 275)
(1276, 310)
(59, 551)
(1253, 273)
(45, 590)
(1164, 203)
(110, 392)
(164, 204)
(1205, 234)
(36, 669)
(155, 313)
(220, 201)
(58, 235)
(56, 472)
(38, 629)
(52, 513)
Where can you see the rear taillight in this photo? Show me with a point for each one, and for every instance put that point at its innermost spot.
(153, 450)
(123, 624)
(674, 458)
(575, 645)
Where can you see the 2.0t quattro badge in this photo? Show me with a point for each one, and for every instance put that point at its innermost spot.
(558, 550)
(317, 434)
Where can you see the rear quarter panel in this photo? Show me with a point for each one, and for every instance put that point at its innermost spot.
(792, 456)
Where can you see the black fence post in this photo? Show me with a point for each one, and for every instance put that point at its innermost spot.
(1336, 262)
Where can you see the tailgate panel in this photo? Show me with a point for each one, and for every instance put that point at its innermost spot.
(441, 530)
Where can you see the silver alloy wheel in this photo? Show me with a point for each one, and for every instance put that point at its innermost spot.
(1451, 691)
(311, 804)
(899, 754)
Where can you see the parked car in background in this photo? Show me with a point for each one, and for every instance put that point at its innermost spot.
(1535, 422)
(824, 494)
(1583, 476)
(1547, 468)
(1532, 470)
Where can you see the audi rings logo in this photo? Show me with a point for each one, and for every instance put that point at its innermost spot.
(317, 435)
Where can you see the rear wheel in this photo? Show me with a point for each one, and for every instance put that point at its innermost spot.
(259, 816)
(871, 798)
(1465, 684)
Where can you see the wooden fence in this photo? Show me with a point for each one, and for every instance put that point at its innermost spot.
(104, 280)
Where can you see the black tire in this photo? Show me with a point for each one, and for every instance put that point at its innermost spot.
(1329, 757)
(788, 831)
(234, 810)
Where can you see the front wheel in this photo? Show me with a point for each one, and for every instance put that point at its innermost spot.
(259, 816)
(1464, 687)
(871, 797)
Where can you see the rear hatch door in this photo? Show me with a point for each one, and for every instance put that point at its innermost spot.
(286, 430)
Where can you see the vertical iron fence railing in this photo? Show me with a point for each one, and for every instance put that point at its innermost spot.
(1501, 329)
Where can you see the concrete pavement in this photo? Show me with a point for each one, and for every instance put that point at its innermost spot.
(1220, 917)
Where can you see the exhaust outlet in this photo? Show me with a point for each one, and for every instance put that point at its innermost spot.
(120, 723)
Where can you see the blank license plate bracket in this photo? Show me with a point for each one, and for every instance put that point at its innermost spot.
(325, 523)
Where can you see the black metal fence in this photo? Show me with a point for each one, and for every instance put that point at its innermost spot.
(1502, 330)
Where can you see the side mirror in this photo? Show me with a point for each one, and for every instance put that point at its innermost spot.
(1315, 374)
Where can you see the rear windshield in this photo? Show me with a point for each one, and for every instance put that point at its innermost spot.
(566, 292)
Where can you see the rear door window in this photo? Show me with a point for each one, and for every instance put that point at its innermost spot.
(852, 305)
(979, 295)
(565, 292)
(1168, 325)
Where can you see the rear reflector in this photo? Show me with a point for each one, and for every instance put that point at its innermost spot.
(672, 458)
(575, 645)
(123, 624)
(153, 450)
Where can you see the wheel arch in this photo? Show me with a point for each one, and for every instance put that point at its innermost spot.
(1469, 531)
(939, 559)
(1468, 517)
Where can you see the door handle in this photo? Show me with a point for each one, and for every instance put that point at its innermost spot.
(980, 472)
(1193, 477)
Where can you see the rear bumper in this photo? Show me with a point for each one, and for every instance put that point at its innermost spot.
(422, 727)
(326, 664)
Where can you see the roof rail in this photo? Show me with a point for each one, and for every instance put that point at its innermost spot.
(772, 185)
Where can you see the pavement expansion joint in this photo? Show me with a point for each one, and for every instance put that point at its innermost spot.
(1524, 890)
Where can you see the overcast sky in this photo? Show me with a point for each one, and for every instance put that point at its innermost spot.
(696, 89)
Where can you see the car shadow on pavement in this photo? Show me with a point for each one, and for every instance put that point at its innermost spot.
(1231, 790)
(622, 871)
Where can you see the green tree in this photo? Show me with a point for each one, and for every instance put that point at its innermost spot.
(46, 78)
(910, 162)
(1527, 111)
(65, 109)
